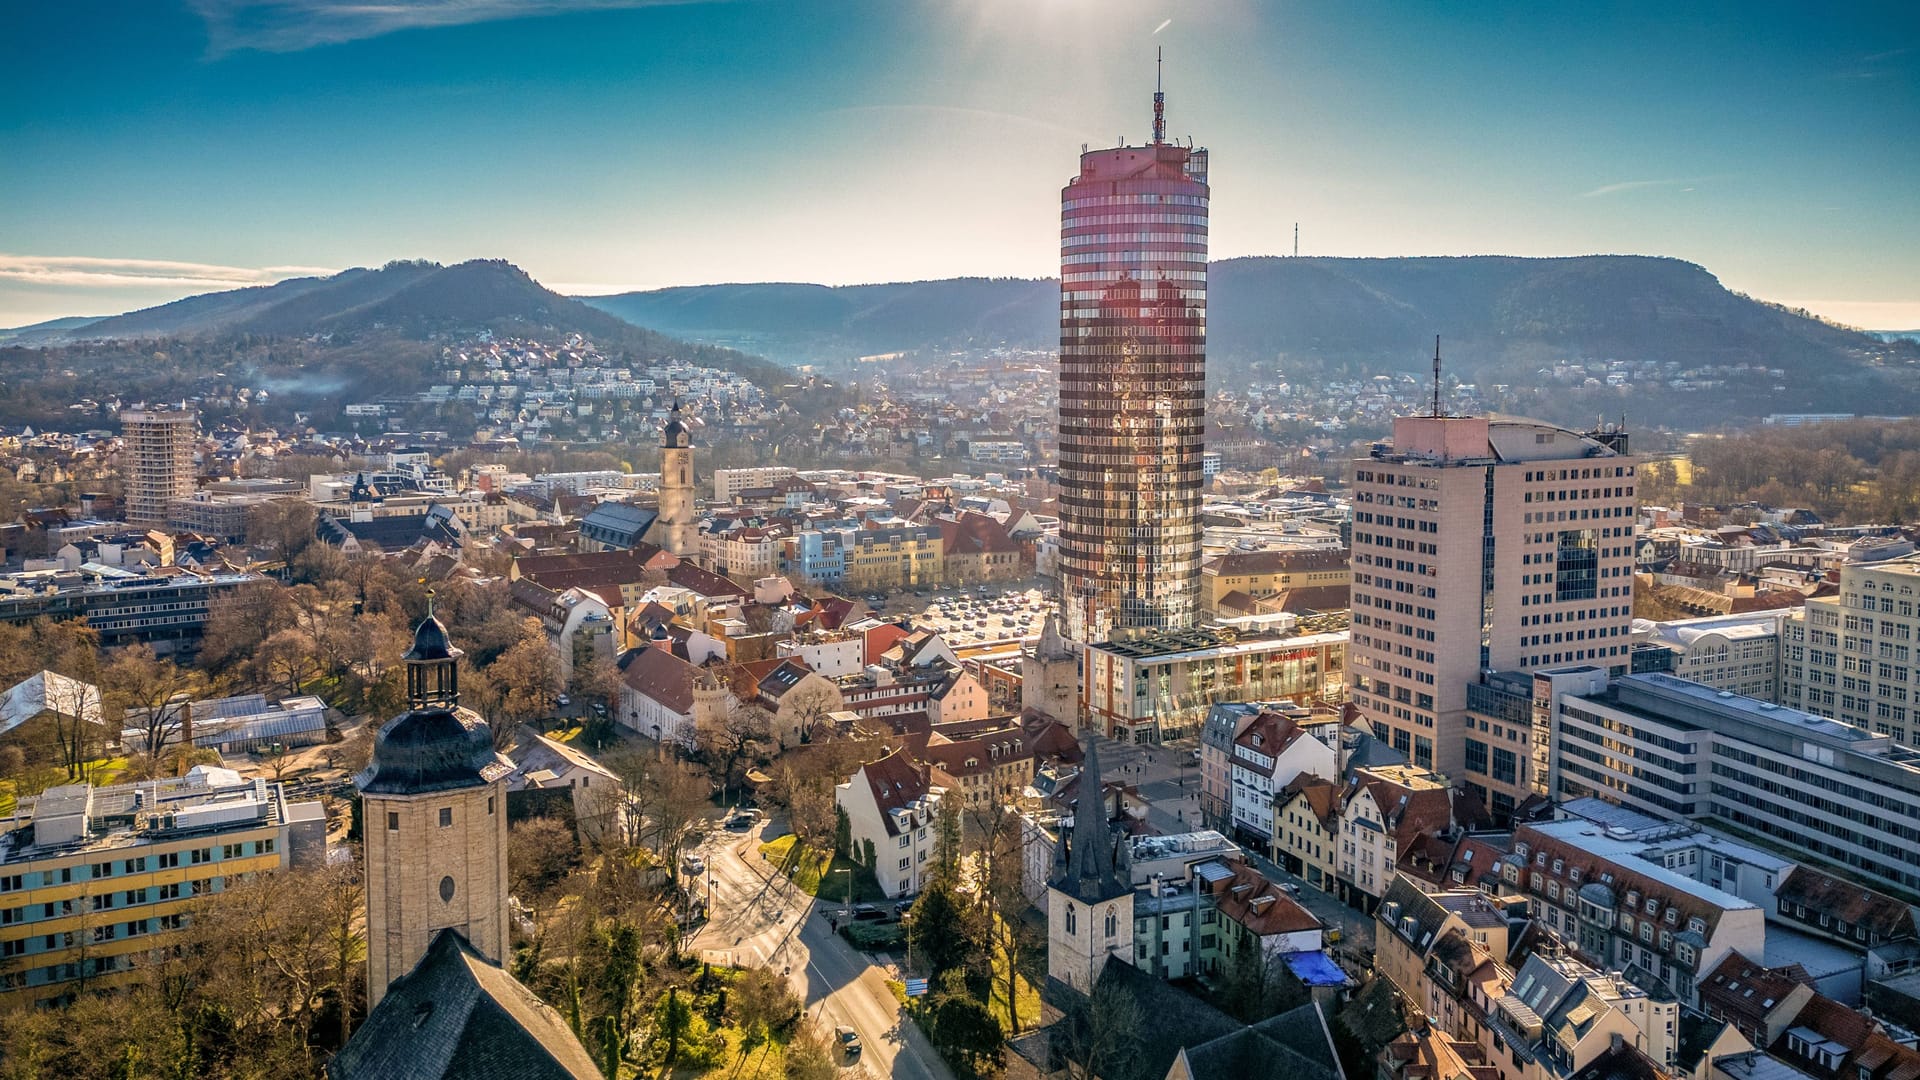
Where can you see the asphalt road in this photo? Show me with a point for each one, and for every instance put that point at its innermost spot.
(758, 921)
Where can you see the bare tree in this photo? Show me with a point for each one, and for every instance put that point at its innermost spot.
(664, 804)
(727, 746)
(151, 694)
(1101, 1032)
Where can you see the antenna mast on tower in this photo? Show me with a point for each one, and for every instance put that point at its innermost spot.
(1159, 100)
(1436, 375)
(1296, 239)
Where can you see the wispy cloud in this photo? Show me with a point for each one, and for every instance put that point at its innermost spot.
(87, 272)
(1637, 185)
(1162, 26)
(293, 25)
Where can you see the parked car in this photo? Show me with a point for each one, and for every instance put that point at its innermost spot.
(868, 913)
(848, 1039)
(694, 865)
(564, 700)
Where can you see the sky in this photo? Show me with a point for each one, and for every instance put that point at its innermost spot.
(152, 149)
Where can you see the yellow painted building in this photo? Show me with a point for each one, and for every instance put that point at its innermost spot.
(93, 880)
(896, 558)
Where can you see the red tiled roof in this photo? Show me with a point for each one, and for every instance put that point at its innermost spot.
(894, 781)
(1855, 905)
(1258, 904)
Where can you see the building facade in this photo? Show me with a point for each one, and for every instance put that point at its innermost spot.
(1133, 286)
(1852, 657)
(1160, 685)
(158, 466)
(890, 805)
(1812, 786)
(105, 876)
(1478, 546)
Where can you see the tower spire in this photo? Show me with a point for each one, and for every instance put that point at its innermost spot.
(1436, 375)
(1159, 100)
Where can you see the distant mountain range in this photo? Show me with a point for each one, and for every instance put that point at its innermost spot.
(1501, 320)
(1381, 310)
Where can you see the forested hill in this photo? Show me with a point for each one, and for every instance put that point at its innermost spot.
(411, 300)
(1494, 311)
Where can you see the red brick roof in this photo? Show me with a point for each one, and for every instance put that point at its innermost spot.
(662, 676)
(894, 782)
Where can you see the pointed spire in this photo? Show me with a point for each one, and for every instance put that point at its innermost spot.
(1089, 872)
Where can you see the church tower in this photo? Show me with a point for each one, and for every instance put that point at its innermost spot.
(1050, 676)
(1089, 892)
(434, 816)
(677, 531)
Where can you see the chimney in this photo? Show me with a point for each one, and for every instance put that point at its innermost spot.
(1616, 1042)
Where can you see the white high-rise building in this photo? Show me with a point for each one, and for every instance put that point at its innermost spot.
(157, 466)
(1480, 546)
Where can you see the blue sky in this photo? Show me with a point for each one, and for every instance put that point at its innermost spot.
(155, 149)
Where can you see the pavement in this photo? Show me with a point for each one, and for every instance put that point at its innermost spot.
(761, 918)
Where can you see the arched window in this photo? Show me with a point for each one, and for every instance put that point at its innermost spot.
(1113, 921)
(1071, 929)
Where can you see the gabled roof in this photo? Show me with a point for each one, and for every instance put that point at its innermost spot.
(1249, 899)
(658, 674)
(702, 581)
(48, 691)
(457, 1016)
(1321, 795)
(617, 524)
(894, 782)
(1849, 903)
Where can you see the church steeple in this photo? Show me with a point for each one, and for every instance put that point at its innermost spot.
(433, 665)
(1084, 864)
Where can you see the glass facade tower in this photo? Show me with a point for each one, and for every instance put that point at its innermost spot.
(1133, 333)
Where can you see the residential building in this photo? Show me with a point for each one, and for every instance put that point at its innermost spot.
(897, 557)
(1483, 545)
(433, 799)
(1272, 750)
(1431, 945)
(1855, 657)
(985, 763)
(94, 879)
(158, 462)
(1739, 652)
(1387, 809)
(1283, 579)
(1555, 1016)
(543, 764)
(1802, 783)
(1133, 285)
(1154, 686)
(890, 805)
(1306, 827)
(729, 483)
(1625, 912)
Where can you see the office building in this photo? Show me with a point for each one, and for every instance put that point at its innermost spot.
(157, 466)
(1852, 658)
(93, 880)
(1159, 685)
(1738, 652)
(1803, 784)
(1483, 545)
(1133, 286)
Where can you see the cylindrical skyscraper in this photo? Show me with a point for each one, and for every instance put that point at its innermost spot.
(1133, 334)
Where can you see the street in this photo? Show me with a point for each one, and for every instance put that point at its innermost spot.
(762, 919)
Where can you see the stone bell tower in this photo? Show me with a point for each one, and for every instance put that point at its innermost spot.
(434, 817)
(678, 533)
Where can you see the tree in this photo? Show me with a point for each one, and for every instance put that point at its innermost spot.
(810, 1056)
(152, 695)
(726, 746)
(762, 1002)
(1256, 984)
(540, 852)
(284, 528)
(964, 1031)
(527, 677)
(947, 930)
(671, 1020)
(947, 840)
(663, 804)
(72, 648)
(1102, 1031)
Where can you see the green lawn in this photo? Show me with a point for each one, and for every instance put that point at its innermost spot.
(809, 867)
(97, 772)
(1024, 992)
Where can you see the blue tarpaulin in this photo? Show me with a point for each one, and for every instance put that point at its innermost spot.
(1315, 968)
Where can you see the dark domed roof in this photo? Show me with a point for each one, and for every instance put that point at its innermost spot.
(430, 642)
(674, 433)
(432, 749)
